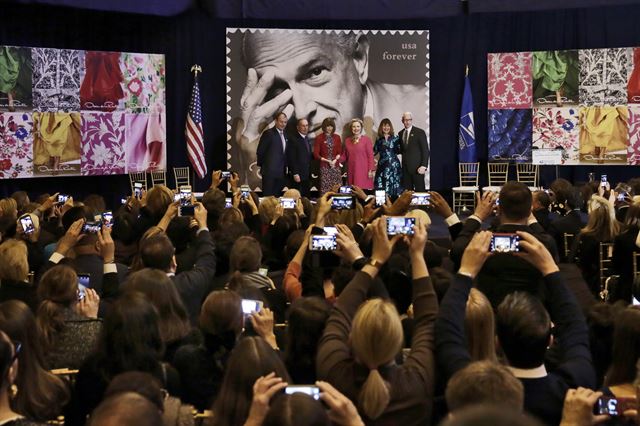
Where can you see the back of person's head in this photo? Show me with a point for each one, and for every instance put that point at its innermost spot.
(376, 338)
(180, 232)
(57, 291)
(95, 203)
(221, 319)
(75, 213)
(307, 317)
(267, 209)
(229, 216)
(484, 382)
(626, 347)
(42, 394)
(523, 327)
(225, 238)
(489, 415)
(157, 252)
(294, 241)
(296, 409)
(251, 358)
(515, 201)
(632, 219)
(9, 208)
(141, 383)
(22, 199)
(130, 337)
(126, 409)
(602, 224)
(441, 279)
(561, 189)
(246, 255)
(14, 262)
(634, 184)
(162, 293)
(574, 199)
(479, 325)
(213, 201)
(542, 199)
(158, 199)
(8, 363)
(421, 216)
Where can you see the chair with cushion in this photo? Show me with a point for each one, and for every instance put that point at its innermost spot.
(464, 195)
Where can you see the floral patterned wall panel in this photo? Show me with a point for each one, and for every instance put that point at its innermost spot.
(582, 108)
(66, 112)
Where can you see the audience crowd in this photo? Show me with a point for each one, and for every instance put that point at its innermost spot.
(236, 315)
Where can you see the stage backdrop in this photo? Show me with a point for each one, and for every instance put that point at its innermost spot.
(74, 112)
(565, 106)
(317, 74)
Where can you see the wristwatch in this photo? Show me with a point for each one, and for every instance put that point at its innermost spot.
(375, 263)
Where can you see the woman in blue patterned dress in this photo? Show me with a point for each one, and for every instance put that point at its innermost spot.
(389, 171)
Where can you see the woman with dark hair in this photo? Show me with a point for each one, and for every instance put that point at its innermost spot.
(130, 341)
(328, 150)
(296, 409)
(175, 328)
(41, 395)
(9, 353)
(201, 367)
(619, 380)
(306, 320)
(389, 170)
(69, 324)
(625, 245)
(251, 359)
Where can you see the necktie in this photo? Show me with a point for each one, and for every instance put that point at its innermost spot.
(405, 137)
(284, 143)
(306, 144)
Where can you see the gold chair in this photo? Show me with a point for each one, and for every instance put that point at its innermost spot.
(567, 244)
(159, 177)
(181, 175)
(605, 264)
(498, 176)
(138, 177)
(464, 195)
(528, 174)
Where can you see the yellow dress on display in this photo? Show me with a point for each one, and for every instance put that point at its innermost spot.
(604, 127)
(57, 134)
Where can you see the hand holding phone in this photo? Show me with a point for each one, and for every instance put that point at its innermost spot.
(342, 202)
(323, 243)
(381, 197)
(311, 390)
(27, 224)
(250, 306)
(137, 189)
(400, 225)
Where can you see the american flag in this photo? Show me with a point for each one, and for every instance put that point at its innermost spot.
(194, 133)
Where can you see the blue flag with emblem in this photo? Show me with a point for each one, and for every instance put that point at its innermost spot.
(467, 134)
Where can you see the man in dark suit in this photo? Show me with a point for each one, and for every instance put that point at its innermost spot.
(504, 273)
(571, 223)
(415, 154)
(272, 159)
(299, 158)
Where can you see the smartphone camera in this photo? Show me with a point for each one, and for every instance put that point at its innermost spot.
(330, 230)
(603, 180)
(185, 196)
(91, 227)
(250, 306)
(342, 202)
(381, 197)
(225, 175)
(228, 203)
(505, 243)
(400, 225)
(62, 198)
(345, 190)
(288, 203)
(27, 224)
(123, 201)
(312, 391)
(323, 243)
(420, 199)
(245, 191)
(622, 196)
(607, 405)
(188, 210)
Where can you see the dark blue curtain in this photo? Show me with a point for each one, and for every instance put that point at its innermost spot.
(196, 36)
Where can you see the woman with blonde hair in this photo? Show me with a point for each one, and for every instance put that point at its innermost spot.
(479, 326)
(14, 274)
(602, 227)
(360, 343)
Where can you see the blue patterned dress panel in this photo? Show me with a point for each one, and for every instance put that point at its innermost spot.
(389, 170)
(510, 135)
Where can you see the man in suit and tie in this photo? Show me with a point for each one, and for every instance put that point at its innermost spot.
(299, 158)
(272, 158)
(415, 154)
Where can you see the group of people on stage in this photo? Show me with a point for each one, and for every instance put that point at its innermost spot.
(285, 160)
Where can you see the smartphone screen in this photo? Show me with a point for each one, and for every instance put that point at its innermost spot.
(400, 225)
(603, 180)
(225, 175)
(107, 219)
(62, 198)
(345, 190)
(381, 197)
(185, 195)
(420, 199)
(27, 224)
(505, 243)
(330, 230)
(91, 227)
(249, 306)
(137, 189)
(323, 243)
(311, 390)
(83, 284)
(288, 203)
(245, 190)
(227, 203)
(342, 202)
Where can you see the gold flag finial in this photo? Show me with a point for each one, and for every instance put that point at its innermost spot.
(466, 70)
(196, 69)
